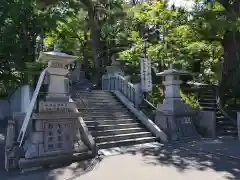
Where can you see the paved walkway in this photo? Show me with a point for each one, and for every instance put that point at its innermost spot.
(230, 147)
(182, 161)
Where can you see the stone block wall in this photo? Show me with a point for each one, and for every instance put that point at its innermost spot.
(206, 121)
(47, 137)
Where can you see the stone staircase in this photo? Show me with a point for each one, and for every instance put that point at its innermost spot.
(109, 121)
(225, 128)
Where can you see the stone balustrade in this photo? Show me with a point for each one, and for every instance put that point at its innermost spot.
(119, 83)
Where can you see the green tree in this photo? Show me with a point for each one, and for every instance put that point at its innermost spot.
(21, 22)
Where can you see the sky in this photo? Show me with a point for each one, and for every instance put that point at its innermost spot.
(184, 3)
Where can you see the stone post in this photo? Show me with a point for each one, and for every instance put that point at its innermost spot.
(238, 124)
(57, 87)
(10, 157)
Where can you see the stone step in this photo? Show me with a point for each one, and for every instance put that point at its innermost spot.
(223, 123)
(101, 127)
(99, 91)
(119, 137)
(207, 103)
(101, 103)
(94, 114)
(104, 113)
(207, 100)
(99, 96)
(114, 132)
(90, 122)
(101, 107)
(207, 96)
(203, 90)
(106, 100)
(227, 132)
(127, 142)
(227, 128)
(208, 109)
(219, 113)
(80, 86)
(208, 91)
(219, 116)
(227, 137)
(96, 96)
(95, 92)
(97, 103)
(208, 106)
(105, 116)
(109, 121)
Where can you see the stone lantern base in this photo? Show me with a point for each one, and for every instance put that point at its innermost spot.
(176, 119)
(55, 133)
(55, 130)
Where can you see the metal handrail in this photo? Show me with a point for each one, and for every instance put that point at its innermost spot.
(150, 104)
(157, 110)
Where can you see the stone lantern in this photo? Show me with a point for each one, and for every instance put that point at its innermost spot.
(57, 71)
(115, 67)
(56, 128)
(172, 82)
(174, 116)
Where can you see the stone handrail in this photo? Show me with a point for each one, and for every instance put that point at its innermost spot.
(31, 107)
(131, 96)
(117, 82)
(87, 137)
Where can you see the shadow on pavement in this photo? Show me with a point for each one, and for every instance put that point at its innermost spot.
(183, 157)
(70, 172)
(66, 172)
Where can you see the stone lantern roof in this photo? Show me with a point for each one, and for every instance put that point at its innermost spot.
(56, 56)
(173, 72)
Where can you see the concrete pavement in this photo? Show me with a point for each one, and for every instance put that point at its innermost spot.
(177, 161)
(204, 159)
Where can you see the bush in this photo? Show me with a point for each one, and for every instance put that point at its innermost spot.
(190, 98)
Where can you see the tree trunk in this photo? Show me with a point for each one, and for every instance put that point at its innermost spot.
(231, 43)
(96, 50)
(230, 86)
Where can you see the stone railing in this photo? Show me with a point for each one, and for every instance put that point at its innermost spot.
(117, 82)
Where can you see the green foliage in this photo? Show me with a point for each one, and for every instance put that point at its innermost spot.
(156, 96)
(182, 43)
(21, 23)
(190, 99)
(96, 30)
